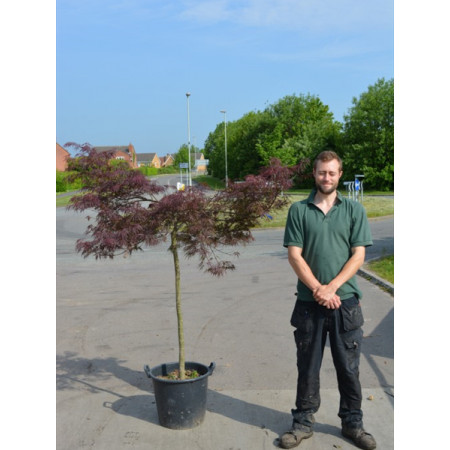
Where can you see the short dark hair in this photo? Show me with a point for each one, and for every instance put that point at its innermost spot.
(328, 155)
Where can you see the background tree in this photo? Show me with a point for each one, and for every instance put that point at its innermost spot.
(299, 128)
(133, 212)
(242, 137)
(368, 141)
(182, 156)
(293, 129)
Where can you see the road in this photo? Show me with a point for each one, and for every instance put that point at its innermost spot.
(382, 229)
(172, 180)
(114, 316)
(383, 238)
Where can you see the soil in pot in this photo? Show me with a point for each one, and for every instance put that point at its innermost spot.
(175, 375)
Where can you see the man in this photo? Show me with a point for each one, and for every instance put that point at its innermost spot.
(326, 236)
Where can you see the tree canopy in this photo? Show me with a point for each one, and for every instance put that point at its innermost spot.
(295, 128)
(368, 146)
(299, 127)
(182, 155)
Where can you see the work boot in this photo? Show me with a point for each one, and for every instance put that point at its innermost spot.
(293, 437)
(360, 437)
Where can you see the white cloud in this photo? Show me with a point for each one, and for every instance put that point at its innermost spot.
(312, 15)
(293, 14)
(207, 11)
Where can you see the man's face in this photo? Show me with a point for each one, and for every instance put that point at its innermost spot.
(327, 175)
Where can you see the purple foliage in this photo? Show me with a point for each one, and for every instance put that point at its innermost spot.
(132, 212)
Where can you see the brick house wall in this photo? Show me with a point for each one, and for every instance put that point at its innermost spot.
(61, 158)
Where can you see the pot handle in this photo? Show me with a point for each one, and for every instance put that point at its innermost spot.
(211, 368)
(147, 370)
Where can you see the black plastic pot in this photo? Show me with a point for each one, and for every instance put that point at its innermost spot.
(181, 404)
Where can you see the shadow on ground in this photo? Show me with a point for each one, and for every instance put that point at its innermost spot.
(96, 375)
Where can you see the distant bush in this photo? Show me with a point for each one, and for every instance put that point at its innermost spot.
(148, 171)
(151, 171)
(168, 170)
(119, 163)
(63, 185)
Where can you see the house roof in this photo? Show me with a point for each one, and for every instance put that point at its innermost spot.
(145, 156)
(116, 148)
(166, 158)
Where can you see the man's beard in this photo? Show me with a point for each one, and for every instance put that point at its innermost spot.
(326, 190)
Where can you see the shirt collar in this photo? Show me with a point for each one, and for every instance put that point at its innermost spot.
(314, 191)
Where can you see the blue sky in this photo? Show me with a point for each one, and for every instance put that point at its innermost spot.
(123, 67)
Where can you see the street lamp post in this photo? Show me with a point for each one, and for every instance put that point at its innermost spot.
(226, 158)
(189, 141)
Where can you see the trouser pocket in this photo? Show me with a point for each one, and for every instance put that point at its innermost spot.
(351, 314)
(303, 316)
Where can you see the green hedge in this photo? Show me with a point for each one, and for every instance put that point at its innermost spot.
(62, 185)
(148, 171)
(151, 171)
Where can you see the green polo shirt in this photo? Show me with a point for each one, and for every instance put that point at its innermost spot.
(326, 240)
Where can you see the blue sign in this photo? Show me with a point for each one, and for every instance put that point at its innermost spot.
(357, 184)
(184, 165)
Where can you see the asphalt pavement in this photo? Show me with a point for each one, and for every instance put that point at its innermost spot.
(115, 316)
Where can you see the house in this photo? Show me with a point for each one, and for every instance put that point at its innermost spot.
(199, 167)
(61, 158)
(148, 159)
(167, 161)
(123, 152)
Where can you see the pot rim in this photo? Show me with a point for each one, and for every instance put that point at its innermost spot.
(209, 371)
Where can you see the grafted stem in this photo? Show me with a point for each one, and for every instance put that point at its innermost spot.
(176, 263)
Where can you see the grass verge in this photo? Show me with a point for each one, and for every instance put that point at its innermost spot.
(383, 267)
(211, 182)
(63, 200)
(375, 207)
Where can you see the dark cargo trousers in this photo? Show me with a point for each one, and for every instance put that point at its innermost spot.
(343, 326)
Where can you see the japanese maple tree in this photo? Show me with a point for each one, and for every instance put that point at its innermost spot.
(133, 212)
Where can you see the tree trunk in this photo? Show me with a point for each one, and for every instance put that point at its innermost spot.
(176, 262)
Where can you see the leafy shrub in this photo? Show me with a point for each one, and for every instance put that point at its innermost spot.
(168, 170)
(148, 171)
(63, 184)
